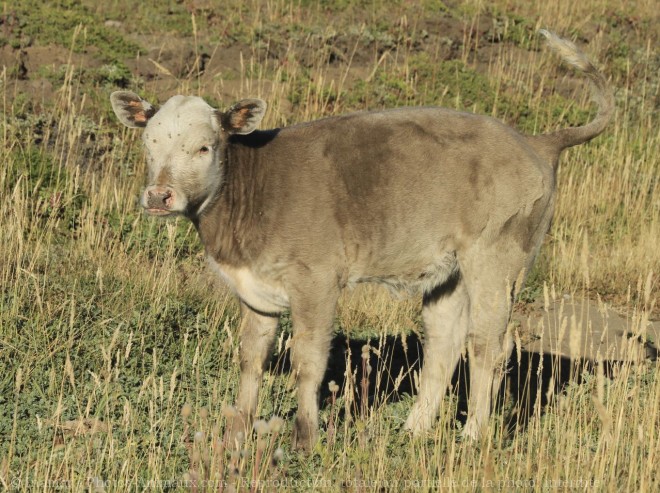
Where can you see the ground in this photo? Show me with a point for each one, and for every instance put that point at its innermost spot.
(119, 346)
(164, 62)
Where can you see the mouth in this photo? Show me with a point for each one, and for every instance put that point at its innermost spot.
(158, 212)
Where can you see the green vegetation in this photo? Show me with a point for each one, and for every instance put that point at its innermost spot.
(65, 23)
(119, 351)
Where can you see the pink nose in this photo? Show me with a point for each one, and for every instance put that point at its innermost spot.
(158, 197)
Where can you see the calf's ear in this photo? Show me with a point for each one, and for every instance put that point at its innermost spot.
(244, 117)
(131, 109)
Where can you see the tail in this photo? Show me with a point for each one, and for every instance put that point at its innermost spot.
(602, 95)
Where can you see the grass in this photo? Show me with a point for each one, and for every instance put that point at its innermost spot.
(120, 352)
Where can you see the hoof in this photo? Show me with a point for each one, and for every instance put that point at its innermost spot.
(418, 423)
(304, 436)
(472, 431)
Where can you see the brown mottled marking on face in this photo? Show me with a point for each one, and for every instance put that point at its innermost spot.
(164, 177)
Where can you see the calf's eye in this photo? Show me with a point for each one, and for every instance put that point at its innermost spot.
(204, 150)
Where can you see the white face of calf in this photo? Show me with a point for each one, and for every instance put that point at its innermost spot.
(185, 143)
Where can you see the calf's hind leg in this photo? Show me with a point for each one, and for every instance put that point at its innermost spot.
(445, 314)
(492, 292)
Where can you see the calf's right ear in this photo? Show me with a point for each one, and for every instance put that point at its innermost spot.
(131, 109)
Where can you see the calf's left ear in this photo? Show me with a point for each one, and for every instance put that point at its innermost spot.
(131, 109)
(244, 117)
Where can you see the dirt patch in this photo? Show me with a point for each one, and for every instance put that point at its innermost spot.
(37, 72)
(586, 329)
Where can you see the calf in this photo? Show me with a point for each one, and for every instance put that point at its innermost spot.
(450, 205)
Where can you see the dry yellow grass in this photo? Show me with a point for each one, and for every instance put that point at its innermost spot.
(109, 323)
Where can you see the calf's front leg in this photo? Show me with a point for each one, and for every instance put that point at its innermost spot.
(257, 334)
(312, 315)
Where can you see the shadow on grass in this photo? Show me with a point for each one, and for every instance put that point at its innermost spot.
(530, 382)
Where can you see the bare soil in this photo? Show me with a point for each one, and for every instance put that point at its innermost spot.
(586, 329)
